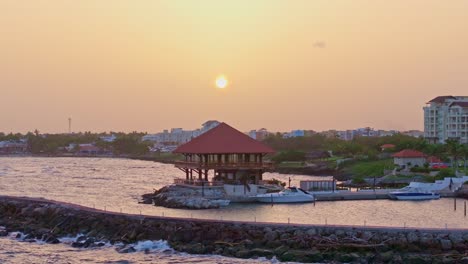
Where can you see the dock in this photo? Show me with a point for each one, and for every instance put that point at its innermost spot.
(350, 195)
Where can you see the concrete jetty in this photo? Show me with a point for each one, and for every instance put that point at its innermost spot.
(350, 195)
(47, 220)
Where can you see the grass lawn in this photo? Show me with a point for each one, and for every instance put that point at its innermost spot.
(369, 168)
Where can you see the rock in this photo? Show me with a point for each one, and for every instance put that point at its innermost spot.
(464, 260)
(126, 249)
(40, 211)
(243, 254)
(260, 252)
(456, 238)
(50, 239)
(446, 244)
(387, 256)
(348, 257)
(281, 250)
(302, 256)
(271, 236)
(417, 259)
(77, 244)
(448, 259)
(412, 237)
(366, 235)
(247, 243)
(340, 233)
(3, 231)
(197, 248)
(298, 233)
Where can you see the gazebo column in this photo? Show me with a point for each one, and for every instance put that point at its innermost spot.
(200, 174)
(206, 175)
(191, 174)
(186, 174)
(257, 177)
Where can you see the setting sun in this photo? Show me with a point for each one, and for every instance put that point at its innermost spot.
(221, 82)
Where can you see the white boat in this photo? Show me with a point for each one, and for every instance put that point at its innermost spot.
(409, 193)
(289, 195)
(221, 203)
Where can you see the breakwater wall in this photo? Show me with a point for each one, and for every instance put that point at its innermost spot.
(49, 220)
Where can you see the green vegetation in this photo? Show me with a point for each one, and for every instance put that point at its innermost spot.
(289, 155)
(291, 164)
(368, 168)
(52, 144)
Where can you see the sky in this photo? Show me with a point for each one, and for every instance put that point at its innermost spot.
(148, 65)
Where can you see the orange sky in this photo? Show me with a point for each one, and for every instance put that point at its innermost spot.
(147, 65)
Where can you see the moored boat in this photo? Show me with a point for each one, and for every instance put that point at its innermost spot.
(289, 195)
(413, 194)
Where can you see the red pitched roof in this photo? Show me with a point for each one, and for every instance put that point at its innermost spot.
(461, 104)
(223, 139)
(409, 153)
(441, 99)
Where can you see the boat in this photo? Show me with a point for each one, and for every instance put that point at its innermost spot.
(409, 193)
(221, 202)
(289, 195)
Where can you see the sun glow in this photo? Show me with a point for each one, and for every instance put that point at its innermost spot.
(221, 82)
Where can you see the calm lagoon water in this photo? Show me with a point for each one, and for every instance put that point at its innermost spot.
(117, 184)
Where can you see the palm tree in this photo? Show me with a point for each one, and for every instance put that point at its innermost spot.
(464, 154)
(454, 151)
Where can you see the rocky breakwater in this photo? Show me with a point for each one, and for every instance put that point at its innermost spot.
(51, 220)
(175, 196)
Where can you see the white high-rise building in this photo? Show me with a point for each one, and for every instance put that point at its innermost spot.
(178, 135)
(446, 117)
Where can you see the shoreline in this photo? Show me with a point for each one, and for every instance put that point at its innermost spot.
(284, 171)
(288, 242)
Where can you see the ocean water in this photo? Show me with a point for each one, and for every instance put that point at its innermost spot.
(15, 251)
(117, 184)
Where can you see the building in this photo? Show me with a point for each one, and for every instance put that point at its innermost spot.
(294, 133)
(109, 139)
(179, 136)
(330, 134)
(385, 147)
(446, 117)
(232, 156)
(260, 134)
(13, 147)
(408, 158)
(413, 133)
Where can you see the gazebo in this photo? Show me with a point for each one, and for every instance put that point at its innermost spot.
(232, 155)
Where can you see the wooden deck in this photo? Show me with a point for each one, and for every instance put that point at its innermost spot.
(198, 183)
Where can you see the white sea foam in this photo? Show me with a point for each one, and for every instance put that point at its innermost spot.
(152, 246)
(69, 239)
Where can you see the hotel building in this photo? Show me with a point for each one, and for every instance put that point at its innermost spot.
(446, 117)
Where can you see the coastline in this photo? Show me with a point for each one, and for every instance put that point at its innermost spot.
(288, 242)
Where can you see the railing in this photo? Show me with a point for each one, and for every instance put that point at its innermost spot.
(181, 181)
(220, 165)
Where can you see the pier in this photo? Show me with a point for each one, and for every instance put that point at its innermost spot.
(350, 195)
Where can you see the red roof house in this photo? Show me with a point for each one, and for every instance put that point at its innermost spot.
(387, 146)
(223, 139)
(409, 153)
(231, 154)
(409, 158)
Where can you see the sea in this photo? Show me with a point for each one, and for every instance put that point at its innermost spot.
(114, 184)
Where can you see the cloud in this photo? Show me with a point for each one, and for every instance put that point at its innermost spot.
(319, 44)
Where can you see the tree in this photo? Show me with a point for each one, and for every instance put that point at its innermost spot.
(464, 154)
(454, 151)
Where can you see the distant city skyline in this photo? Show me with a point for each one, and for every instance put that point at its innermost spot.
(126, 66)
